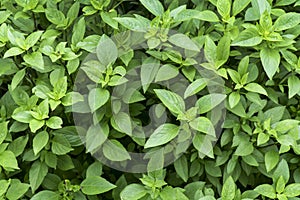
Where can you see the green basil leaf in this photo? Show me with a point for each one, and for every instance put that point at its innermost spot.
(93, 185)
(162, 135)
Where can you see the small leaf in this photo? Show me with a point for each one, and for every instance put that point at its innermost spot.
(260, 6)
(208, 102)
(108, 18)
(94, 185)
(181, 167)
(171, 100)
(123, 122)
(287, 21)
(73, 12)
(239, 6)
(133, 192)
(35, 125)
(54, 16)
(292, 190)
(4, 131)
(223, 7)
(96, 136)
(255, 87)
(135, 24)
(183, 41)
(97, 98)
(244, 149)
(166, 72)
(195, 87)
(46, 194)
(23, 116)
(37, 173)
(60, 145)
(154, 6)
(33, 38)
(94, 169)
(266, 190)
(115, 151)
(282, 170)
(35, 59)
(107, 51)
(149, 69)
(40, 141)
(270, 59)
(271, 160)
(189, 14)
(203, 125)
(8, 160)
(18, 77)
(162, 135)
(234, 99)
(78, 31)
(16, 190)
(228, 190)
(54, 122)
(294, 85)
(223, 50)
(248, 38)
(286, 125)
(4, 186)
(4, 15)
(280, 185)
(14, 51)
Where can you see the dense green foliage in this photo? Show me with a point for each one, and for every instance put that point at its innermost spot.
(68, 67)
